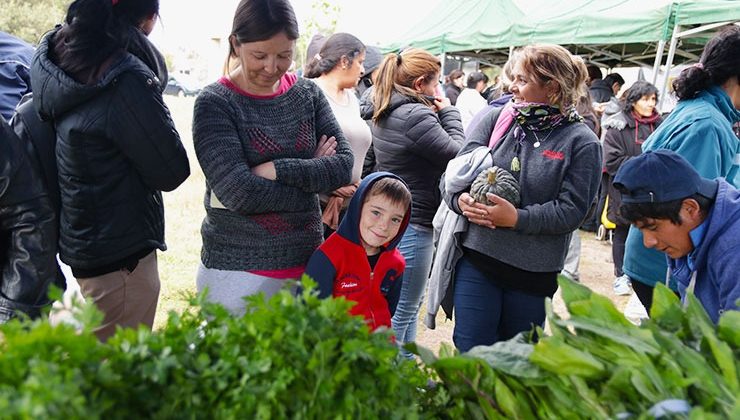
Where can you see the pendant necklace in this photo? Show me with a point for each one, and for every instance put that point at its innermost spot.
(538, 142)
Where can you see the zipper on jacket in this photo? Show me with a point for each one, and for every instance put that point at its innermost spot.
(372, 278)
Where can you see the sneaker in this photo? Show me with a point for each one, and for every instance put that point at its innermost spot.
(622, 286)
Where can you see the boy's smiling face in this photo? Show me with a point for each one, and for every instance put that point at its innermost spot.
(380, 221)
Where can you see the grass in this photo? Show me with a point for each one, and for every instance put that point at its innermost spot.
(184, 214)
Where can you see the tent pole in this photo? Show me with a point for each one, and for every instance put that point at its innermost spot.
(668, 65)
(658, 59)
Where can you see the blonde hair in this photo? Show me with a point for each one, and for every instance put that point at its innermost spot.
(398, 72)
(553, 63)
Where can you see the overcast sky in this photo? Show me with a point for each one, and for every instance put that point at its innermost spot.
(188, 23)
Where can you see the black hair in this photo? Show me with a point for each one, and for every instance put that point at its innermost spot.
(635, 92)
(612, 78)
(455, 74)
(670, 210)
(260, 20)
(719, 62)
(594, 72)
(392, 188)
(336, 46)
(476, 77)
(95, 29)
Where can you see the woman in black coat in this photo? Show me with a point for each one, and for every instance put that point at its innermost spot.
(100, 80)
(415, 133)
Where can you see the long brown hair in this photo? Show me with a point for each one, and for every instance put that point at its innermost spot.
(398, 72)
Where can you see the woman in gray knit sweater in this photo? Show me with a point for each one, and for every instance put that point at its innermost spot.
(512, 256)
(260, 135)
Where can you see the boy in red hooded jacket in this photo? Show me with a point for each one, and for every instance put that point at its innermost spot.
(360, 260)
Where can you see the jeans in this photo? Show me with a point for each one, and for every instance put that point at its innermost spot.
(486, 313)
(417, 249)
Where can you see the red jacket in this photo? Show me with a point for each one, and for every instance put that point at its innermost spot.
(341, 268)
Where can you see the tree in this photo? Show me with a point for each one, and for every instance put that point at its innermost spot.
(30, 19)
(323, 20)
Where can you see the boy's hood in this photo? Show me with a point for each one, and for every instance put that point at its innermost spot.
(349, 228)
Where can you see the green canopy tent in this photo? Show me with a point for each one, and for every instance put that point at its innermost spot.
(604, 31)
(694, 18)
(467, 27)
(607, 32)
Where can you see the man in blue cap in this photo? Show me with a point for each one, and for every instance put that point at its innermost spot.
(693, 220)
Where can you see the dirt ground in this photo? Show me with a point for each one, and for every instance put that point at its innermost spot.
(596, 272)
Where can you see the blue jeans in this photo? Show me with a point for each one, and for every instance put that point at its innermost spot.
(417, 248)
(486, 313)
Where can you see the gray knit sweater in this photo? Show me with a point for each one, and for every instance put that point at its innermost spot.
(253, 223)
(558, 183)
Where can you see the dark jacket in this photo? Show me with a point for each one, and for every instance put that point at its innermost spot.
(452, 92)
(117, 149)
(558, 183)
(15, 59)
(39, 140)
(27, 227)
(715, 257)
(340, 265)
(600, 91)
(623, 139)
(415, 143)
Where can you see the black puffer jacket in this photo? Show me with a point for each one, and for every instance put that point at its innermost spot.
(117, 149)
(27, 227)
(415, 143)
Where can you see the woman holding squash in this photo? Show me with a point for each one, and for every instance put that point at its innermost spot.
(512, 254)
(415, 133)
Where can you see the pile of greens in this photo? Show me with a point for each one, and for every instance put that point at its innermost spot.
(288, 357)
(596, 364)
(305, 357)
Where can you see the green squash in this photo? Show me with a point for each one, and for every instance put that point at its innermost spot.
(497, 181)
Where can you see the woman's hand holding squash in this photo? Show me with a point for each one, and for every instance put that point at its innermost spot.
(500, 214)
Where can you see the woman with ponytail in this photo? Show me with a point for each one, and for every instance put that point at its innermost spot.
(415, 133)
(336, 69)
(511, 255)
(100, 81)
(700, 130)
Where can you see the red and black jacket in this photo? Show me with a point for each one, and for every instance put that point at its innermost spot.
(341, 268)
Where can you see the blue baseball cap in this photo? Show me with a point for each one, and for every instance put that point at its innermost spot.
(660, 176)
